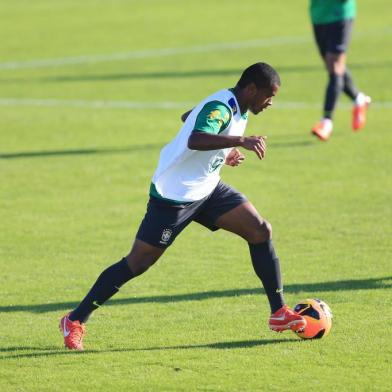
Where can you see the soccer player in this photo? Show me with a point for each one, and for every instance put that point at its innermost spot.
(186, 187)
(332, 24)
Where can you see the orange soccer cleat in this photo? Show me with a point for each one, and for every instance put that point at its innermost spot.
(285, 318)
(323, 129)
(359, 112)
(73, 332)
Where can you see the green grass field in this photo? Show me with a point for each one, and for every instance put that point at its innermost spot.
(89, 93)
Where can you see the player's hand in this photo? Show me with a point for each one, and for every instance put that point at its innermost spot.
(235, 157)
(256, 144)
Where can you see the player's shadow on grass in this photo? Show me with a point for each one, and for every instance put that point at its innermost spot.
(120, 150)
(306, 288)
(222, 345)
(54, 351)
(80, 151)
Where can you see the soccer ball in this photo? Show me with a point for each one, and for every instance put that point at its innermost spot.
(318, 318)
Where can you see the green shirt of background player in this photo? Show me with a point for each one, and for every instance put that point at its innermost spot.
(332, 22)
(328, 11)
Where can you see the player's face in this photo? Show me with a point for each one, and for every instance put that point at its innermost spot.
(262, 99)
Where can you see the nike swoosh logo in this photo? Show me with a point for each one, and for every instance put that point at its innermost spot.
(281, 318)
(65, 330)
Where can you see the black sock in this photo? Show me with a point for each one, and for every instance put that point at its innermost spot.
(267, 268)
(334, 88)
(107, 284)
(349, 86)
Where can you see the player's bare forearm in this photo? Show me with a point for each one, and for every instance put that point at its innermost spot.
(202, 141)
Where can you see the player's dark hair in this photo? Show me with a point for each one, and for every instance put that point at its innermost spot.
(261, 74)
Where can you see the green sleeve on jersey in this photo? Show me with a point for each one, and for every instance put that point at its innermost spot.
(213, 118)
(328, 11)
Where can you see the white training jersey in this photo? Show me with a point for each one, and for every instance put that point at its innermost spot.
(186, 175)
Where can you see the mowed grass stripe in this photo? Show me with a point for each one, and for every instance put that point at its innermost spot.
(144, 54)
(90, 104)
(152, 53)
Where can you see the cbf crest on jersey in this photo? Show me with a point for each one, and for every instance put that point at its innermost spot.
(233, 105)
(166, 234)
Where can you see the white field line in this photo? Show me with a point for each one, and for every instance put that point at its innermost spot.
(151, 53)
(78, 103)
(142, 54)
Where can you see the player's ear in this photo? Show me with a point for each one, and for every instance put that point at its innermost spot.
(252, 89)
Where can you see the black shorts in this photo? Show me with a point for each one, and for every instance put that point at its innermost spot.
(165, 220)
(333, 37)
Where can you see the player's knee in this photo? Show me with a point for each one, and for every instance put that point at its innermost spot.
(140, 263)
(142, 256)
(262, 233)
(336, 64)
(337, 80)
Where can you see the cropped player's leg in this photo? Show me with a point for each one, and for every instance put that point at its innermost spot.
(349, 87)
(336, 67)
(140, 258)
(361, 102)
(245, 221)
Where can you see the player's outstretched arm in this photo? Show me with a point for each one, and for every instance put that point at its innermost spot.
(203, 141)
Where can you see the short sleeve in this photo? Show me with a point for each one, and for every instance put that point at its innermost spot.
(214, 117)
